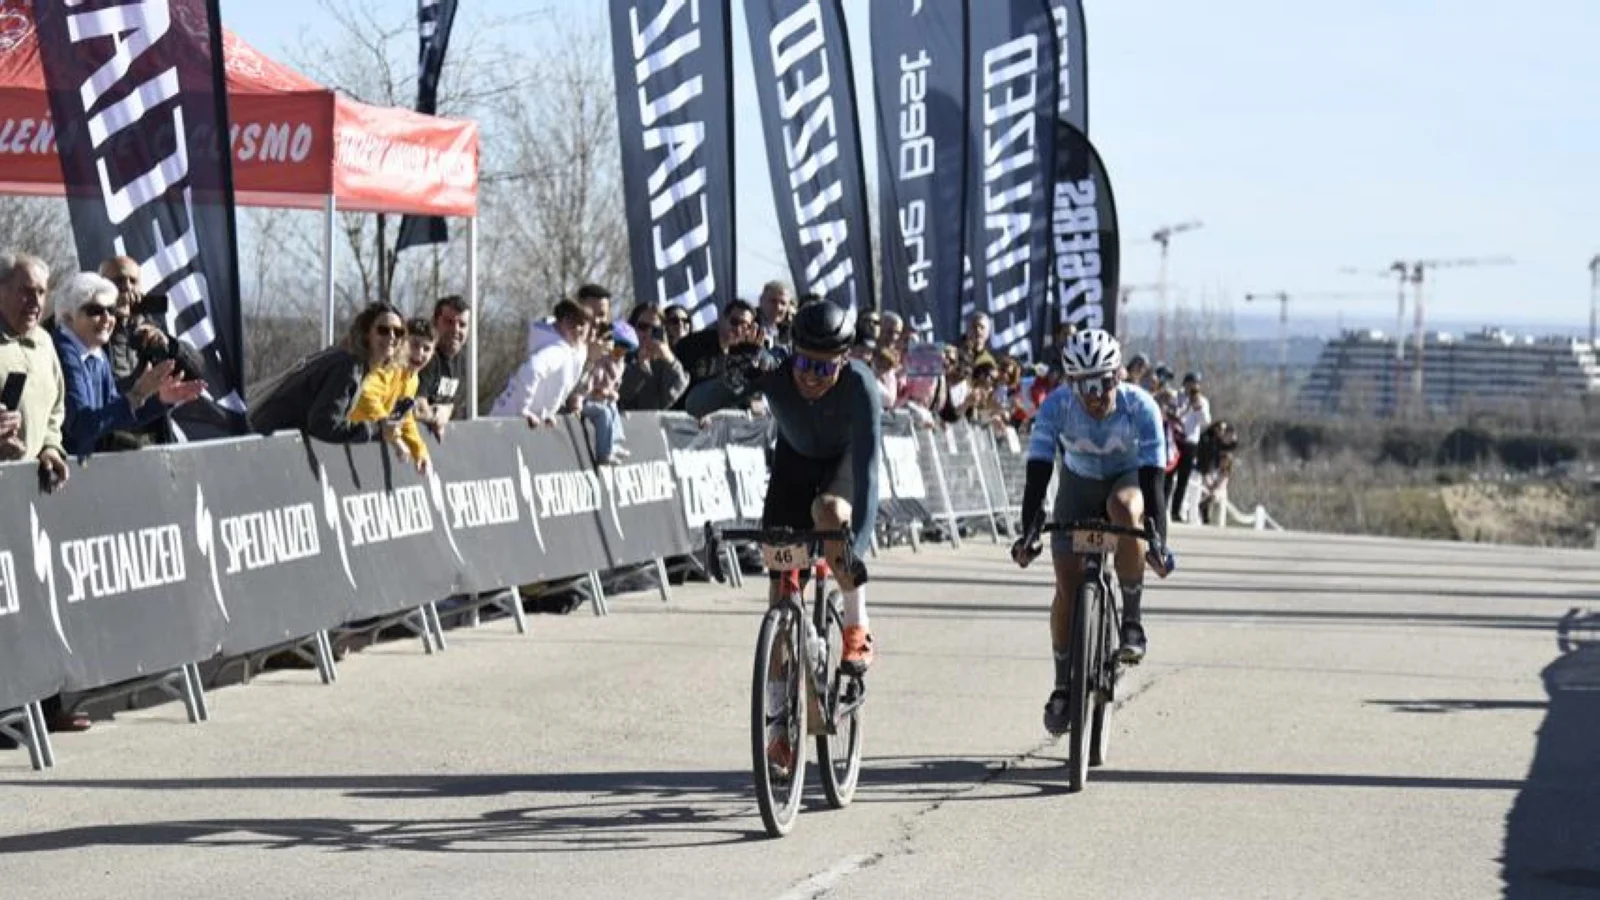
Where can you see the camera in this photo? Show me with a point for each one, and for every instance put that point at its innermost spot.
(153, 311)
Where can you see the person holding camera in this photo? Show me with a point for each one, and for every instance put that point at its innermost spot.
(140, 342)
(653, 379)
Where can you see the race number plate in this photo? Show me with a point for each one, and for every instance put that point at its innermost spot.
(1093, 542)
(786, 557)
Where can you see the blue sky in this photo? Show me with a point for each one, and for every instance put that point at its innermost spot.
(1307, 137)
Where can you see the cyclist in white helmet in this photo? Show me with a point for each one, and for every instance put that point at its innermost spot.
(1109, 438)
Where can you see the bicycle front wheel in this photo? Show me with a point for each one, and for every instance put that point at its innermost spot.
(1085, 624)
(838, 753)
(777, 720)
(1100, 732)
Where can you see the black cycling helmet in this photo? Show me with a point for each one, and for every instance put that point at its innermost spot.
(1192, 378)
(824, 327)
(1139, 360)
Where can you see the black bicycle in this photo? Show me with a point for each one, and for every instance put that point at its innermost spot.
(797, 668)
(1096, 630)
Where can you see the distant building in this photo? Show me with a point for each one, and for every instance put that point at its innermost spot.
(1356, 373)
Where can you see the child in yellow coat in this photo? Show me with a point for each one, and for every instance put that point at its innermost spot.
(393, 388)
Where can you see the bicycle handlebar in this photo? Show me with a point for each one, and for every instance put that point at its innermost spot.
(1094, 525)
(779, 535)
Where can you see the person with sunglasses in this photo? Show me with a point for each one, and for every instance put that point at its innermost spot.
(829, 421)
(1108, 436)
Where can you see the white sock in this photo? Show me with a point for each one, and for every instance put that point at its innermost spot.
(855, 608)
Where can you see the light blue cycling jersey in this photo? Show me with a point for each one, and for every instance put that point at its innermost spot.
(1130, 438)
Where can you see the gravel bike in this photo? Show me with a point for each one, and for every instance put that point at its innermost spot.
(797, 687)
(1096, 631)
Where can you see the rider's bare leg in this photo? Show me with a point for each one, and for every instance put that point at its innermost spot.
(1069, 573)
(1125, 507)
(830, 513)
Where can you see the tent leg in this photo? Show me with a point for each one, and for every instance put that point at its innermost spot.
(472, 305)
(327, 271)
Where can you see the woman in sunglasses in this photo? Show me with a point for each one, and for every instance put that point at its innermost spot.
(829, 419)
(1113, 454)
(318, 395)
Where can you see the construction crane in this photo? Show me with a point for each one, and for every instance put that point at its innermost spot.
(1283, 327)
(1163, 236)
(1411, 272)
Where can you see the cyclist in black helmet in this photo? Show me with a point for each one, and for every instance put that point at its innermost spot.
(829, 420)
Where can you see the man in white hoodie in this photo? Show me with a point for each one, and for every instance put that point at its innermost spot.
(542, 386)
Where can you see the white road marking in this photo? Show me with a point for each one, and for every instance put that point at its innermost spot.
(822, 882)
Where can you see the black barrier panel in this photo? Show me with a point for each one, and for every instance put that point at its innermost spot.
(484, 496)
(267, 552)
(32, 643)
(567, 498)
(391, 546)
(114, 556)
(643, 517)
(747, 443)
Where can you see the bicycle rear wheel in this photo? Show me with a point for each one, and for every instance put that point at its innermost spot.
(839, 753)
(1085, 625)
(777, 720)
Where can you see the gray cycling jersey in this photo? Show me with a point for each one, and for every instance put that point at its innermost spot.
(847, 419)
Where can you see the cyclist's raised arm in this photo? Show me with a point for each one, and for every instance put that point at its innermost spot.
(866, 442)
(1042, 444)
(1152, 459)
(739, 380)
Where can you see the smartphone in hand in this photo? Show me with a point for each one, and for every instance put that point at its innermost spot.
(11, 394)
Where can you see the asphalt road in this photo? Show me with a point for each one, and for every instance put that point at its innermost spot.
(1320, 717)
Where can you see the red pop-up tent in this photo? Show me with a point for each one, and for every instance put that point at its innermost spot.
(295, 144)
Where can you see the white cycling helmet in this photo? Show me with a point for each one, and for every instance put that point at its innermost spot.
(1092, 351)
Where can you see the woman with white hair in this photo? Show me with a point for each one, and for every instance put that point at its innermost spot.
(85, 306)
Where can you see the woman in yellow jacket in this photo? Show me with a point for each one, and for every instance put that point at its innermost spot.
(389, 392)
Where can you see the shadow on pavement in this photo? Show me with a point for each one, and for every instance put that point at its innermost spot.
(1450, 706)
(1553, 831)
(597, 810)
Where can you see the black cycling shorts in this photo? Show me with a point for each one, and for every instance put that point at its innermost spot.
(1080, 499)
(796, 481)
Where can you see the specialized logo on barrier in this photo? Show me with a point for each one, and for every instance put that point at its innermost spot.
(330, 514)
(481, 504)
(703, 475)
(205, 540)
(9, 604)
(525, 488)
(126, 562)
(44, 569)
(377, 517)
(436, 492)
(749, 467)
(637, 484)
(567, 493)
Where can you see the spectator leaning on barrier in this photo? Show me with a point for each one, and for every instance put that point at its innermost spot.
(33, 429)
(85, 305)
(600, 400)
(702, 353)
(317, 395)
(389, 392)
(653, 378)
(441, 385)
(543, 385)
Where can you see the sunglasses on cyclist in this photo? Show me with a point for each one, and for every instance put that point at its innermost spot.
(1095, 386)
(817, 368)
